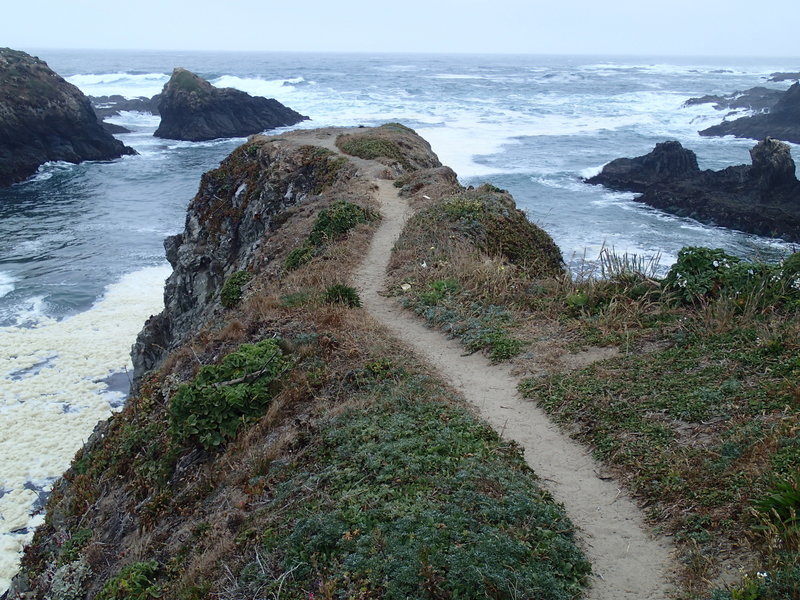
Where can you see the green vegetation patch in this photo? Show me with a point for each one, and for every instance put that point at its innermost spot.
(371, 147)
(412, 498)
(701, 274)
(332, 223)
(231, 292)
(221, 398)
(187, 81)
(478, 326)
(342, 294)
(134, 582)
(488, 218)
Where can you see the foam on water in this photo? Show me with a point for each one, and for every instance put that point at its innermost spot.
(274, 88)
(129, 85)
(53, 395)
(6, 283)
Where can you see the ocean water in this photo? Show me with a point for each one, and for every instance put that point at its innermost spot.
(81, 256)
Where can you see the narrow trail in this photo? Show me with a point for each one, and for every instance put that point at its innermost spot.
(627, 562)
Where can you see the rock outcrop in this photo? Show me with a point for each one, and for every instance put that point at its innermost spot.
(43, 118)
(784, 76)
(762, 198)
(194, 110)
(111, 106)
(781, 122)
(758, 99)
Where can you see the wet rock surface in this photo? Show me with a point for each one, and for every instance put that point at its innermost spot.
(44, 118)
(762, 198)
(194, 110)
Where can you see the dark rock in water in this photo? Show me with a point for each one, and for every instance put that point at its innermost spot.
(111, 106)
(114, 128)
(669, 161)
(194, 110)
(784, 77)
(762, 198)
(44, 118)
(757, 99)
(782, 121)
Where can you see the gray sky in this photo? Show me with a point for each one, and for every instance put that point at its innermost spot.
(671, 27)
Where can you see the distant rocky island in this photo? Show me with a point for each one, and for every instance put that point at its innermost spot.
(43, 118)
(194, 110)
(780, 119)
(762, 198)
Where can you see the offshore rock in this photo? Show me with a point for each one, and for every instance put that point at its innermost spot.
(194, 110)
(669, 161)
(758, 99)
(781, 122)
(784, 76)
(762, 198)
(111, 106)
(43, 118)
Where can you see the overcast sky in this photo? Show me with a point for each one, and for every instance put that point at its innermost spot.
(671, 27)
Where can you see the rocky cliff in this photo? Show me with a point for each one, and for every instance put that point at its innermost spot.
(781, 122)
(762, 198)
(192, 109)
(43, 118)
(279, 444)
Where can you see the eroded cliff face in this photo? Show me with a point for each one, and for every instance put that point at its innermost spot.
(254, 191)
(43, 118)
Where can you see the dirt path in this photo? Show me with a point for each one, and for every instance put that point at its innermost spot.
(627, 562)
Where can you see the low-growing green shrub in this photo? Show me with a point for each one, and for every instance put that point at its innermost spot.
(336, 220)
(231, 292)
(299, 256)
(371, 147)
(706, 274)
(342, 294)
(211, 408)
(416, 499)
(72, 547)
(134, 582)
(331, 224)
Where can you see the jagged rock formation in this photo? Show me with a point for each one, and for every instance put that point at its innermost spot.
(762, 198)
(781, 122)
(111, 106)
(43, 118)
(194, 110)
(758, 99)
(784, 76)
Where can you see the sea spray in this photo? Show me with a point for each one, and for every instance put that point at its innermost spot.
(53, 393)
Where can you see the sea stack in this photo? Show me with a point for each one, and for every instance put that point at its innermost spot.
(762, 198)
(194, 110)
(43, 118)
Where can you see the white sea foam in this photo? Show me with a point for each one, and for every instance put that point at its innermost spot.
(6, 283)
(125, 84)
(591, 171)
(47, 413)
(269, 88)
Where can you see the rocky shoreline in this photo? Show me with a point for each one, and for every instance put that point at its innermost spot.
(780, 119)
(762, 198)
